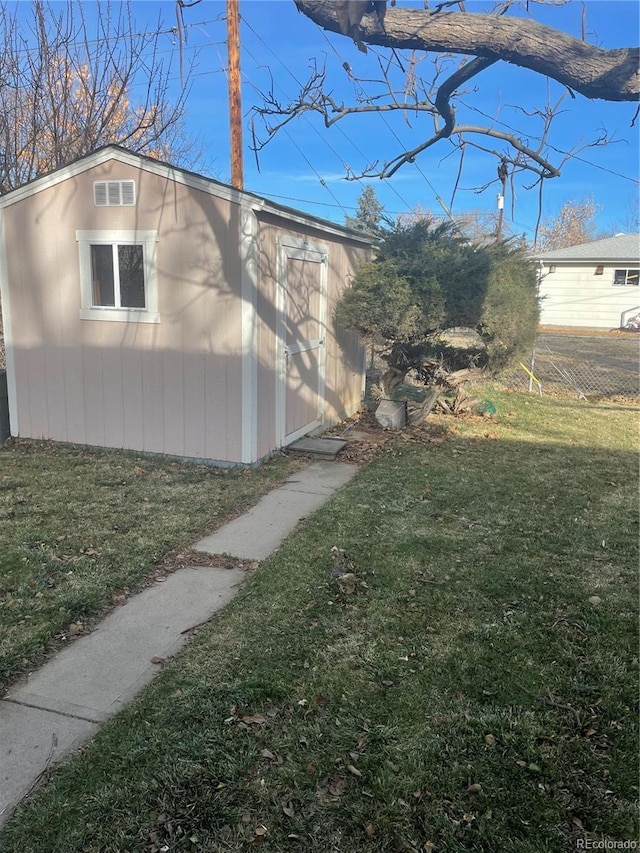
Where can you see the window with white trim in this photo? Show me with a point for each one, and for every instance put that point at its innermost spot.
(118, 275)
(626, 278)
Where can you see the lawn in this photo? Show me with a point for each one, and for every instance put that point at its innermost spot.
(79, 529)
(470, 685)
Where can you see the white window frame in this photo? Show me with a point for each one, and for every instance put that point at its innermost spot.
(626, 271)
(148, 240)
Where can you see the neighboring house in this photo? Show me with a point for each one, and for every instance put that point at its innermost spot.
(149, 308)
(593, 285)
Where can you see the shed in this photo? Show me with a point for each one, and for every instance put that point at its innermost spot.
(592, 285)
(150, 308)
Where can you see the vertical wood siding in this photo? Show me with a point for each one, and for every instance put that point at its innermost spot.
(344, 355)
(172, 387)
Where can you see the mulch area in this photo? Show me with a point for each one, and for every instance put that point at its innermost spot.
(364, 437)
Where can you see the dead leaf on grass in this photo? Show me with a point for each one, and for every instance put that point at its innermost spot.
(259, 834)
(337, 785)
(254, 720)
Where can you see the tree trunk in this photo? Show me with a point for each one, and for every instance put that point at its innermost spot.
(611, 75)
(391, 380)
(419, 414)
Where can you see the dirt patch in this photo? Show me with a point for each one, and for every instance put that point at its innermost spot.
(581, 331)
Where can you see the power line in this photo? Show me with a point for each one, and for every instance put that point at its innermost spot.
(439, 199)
(346, 206)
(504, 124)
(553, 147)
(84, 43)
(321, 180)
(321, 136)
(361, 153)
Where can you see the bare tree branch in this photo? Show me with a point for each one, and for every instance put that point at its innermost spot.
(611, 75)
(314, 98)
(442, 37)
(65, 91)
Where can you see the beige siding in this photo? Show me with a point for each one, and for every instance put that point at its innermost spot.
(574, 296)
(172, 387)
(344, 357)
(267, 320)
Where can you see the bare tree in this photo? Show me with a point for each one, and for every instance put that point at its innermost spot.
(460, 46)
(573, 225)
(68, 87)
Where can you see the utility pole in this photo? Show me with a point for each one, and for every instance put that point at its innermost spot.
(235, 96)
(503, 171)
(500, 201)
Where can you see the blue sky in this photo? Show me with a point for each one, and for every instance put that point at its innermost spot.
(304, 166)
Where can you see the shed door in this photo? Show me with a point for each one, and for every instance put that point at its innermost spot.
(302, 340)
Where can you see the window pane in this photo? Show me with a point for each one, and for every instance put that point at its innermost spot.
(102, 275)
(131, 268)
(625, 277)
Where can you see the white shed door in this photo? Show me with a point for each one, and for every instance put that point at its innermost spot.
(302, 339)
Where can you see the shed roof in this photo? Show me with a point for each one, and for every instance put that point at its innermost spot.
(183, 176)
(622, 247)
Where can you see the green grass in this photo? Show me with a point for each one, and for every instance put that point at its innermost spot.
(478, 690)
(78, 527)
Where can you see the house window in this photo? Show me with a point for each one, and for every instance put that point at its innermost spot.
(118, 275)
(625, 278)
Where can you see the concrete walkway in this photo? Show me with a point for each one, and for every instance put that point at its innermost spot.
(60, 706)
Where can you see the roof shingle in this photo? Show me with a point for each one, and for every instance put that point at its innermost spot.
(622, 247)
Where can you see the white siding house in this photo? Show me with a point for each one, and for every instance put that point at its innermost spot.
(593, 285)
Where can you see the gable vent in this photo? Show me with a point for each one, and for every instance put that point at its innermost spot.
(114, 193)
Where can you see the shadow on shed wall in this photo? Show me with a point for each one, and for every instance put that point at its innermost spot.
(4, 408)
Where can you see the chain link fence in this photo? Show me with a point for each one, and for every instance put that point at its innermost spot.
(580, 365)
